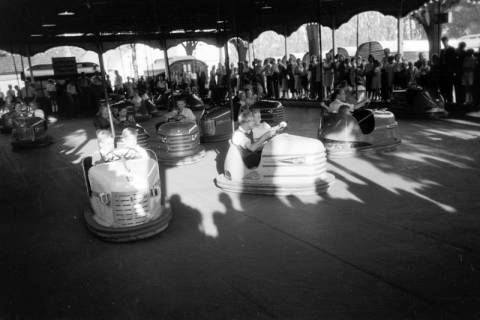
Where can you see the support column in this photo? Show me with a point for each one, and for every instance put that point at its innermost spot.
(358, 27)
(320, 61)
(15, 68)
(32, 79)
(104, 83)
(229, 84)
(400, 30)
(285, 44)
(165, 58)
(333, 36)
(253, 49)
(24, 76)
(439, 26)
(399, 35)
(220, 55)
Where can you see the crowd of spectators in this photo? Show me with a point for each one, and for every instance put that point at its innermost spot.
(455, 73)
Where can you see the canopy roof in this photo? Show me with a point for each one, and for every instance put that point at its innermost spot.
(35, 25)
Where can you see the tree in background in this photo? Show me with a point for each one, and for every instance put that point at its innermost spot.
(242, 48)
(427, 17)
(189, 47)
(134, 60)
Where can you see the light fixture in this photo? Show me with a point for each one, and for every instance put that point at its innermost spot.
(66, 13)
(36, 35)
(49, 25)
(220, 21)
(70, 35)
(266, 6)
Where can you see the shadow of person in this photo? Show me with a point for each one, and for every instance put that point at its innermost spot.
(185, 217)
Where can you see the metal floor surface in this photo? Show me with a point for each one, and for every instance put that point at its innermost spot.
(396, 237)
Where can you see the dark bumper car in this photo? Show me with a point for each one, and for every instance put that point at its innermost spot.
(30, 132)
(216, 125)
(179, 143)
(418, 102)
(289, 165)
(365, 130)
(273, 112)
(125, 199)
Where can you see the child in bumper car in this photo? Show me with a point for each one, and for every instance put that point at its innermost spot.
(106, 148)
(250, 150)
(131, 149)
(124, 119)
(339, 99)
(181, 113)
(102, 121)
(260, 128)
(36, 111)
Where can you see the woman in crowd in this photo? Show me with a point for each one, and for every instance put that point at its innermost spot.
(212, 84)
(328, 66)
(291, 77)
(369, 72)
(283, 78)
(304, 80)
(297, 74)
(376, 81)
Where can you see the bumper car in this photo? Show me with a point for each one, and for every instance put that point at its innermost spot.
(345, 135)
(273, 112)
(125, 199)
(289, 165)
(418, 102)
(6, 122)
(215, 125)
(29, 132)
(179, 143)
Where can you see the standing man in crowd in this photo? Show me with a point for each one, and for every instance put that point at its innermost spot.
(448, 63)
(459, 88)
(118, 82)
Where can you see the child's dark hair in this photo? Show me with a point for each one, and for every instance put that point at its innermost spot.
(336, 93)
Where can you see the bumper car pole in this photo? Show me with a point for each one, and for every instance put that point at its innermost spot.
(230, 91)
(104, 82)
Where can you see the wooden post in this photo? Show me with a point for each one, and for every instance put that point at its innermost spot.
(400, 30)
(439, 26)
(24, 75)
(165, 58)
(358, 27)
(32, 79)
(104, 82)
(15, 68)
(320, 61)
(333, 35)
(229, 83)
(321, 94)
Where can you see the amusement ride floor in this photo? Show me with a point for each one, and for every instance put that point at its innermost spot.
(397, 237)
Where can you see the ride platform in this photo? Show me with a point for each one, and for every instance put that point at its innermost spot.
(396, 236)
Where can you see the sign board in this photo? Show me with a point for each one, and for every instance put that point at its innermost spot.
(64, 66)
